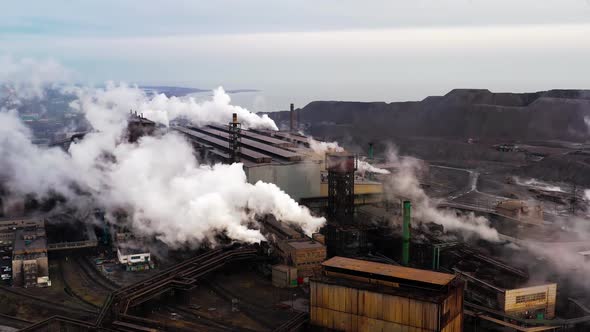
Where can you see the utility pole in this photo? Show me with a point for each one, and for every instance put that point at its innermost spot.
(574, 199)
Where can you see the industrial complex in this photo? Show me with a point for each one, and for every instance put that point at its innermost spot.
(378, 264)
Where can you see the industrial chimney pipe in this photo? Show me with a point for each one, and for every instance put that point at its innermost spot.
(292, 117)
(407, 224)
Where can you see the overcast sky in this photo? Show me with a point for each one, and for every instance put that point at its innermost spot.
(308, 50)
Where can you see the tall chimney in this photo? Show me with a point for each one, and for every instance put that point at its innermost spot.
(407, 224)
(234, 118)
(292, 117)
(371, 152)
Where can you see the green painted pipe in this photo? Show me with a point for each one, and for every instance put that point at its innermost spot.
(371, 152)
(407, 216)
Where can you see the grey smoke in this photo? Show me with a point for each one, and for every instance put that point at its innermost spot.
(404, 183)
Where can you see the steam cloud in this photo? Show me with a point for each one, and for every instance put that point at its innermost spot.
(537, 184)
(157, 181)
(27, 78)
(322, 147)
(162, 109)
(405, 183)
(364, 166)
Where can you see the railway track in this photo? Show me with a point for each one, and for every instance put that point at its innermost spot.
(96, 276)
(15, 322)
(294, 323)
(54, 306)
(254, 311)
(182, 276)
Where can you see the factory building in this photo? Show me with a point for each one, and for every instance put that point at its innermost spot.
(356, 295)
(139, 126)
(30, 265)
(284, 159)
(134, 259)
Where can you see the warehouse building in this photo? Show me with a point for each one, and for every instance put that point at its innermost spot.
(356, 295)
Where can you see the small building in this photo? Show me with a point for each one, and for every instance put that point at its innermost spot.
(284, 276)
(356, 295)
(520, 210)
(134, 259)
(537, 302)
(306, 255)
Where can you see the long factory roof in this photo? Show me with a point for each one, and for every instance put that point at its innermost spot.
(258, 137)
(262, 147)
(255, 148)
(219, 143)
(386, 270)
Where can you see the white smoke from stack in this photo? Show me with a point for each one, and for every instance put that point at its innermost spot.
(163, 109)
(364, 166)
(404, 183)
(180, 201)
(321, 148)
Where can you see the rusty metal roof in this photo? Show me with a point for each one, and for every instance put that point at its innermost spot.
(399, 272)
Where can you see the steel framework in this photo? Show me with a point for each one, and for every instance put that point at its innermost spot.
(235, 129)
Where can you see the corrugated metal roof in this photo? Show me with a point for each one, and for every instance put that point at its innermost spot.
(219, 143)
(281, 153)
(387, 270)
(263, 138)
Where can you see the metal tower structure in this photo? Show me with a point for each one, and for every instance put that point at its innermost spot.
(235, 129)
(341, 167)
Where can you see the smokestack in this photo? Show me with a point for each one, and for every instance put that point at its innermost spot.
(371, 151)
(234, 118)
(292, 117)
(407, 223)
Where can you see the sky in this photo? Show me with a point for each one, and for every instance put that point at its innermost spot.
(300, 51)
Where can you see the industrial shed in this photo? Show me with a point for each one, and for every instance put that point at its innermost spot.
(356, 295)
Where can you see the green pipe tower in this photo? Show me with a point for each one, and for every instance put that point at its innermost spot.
(371, 152)
(407, 216)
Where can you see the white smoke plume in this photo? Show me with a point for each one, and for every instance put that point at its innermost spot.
(25, 167)
(321, 148)
(162, 109)
(157, 181)
(180, 201)
(364, 166)
(27, 78)
(404, 183)
(537, 184)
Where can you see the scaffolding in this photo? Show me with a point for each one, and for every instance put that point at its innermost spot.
(235, 129)
(341, 168)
